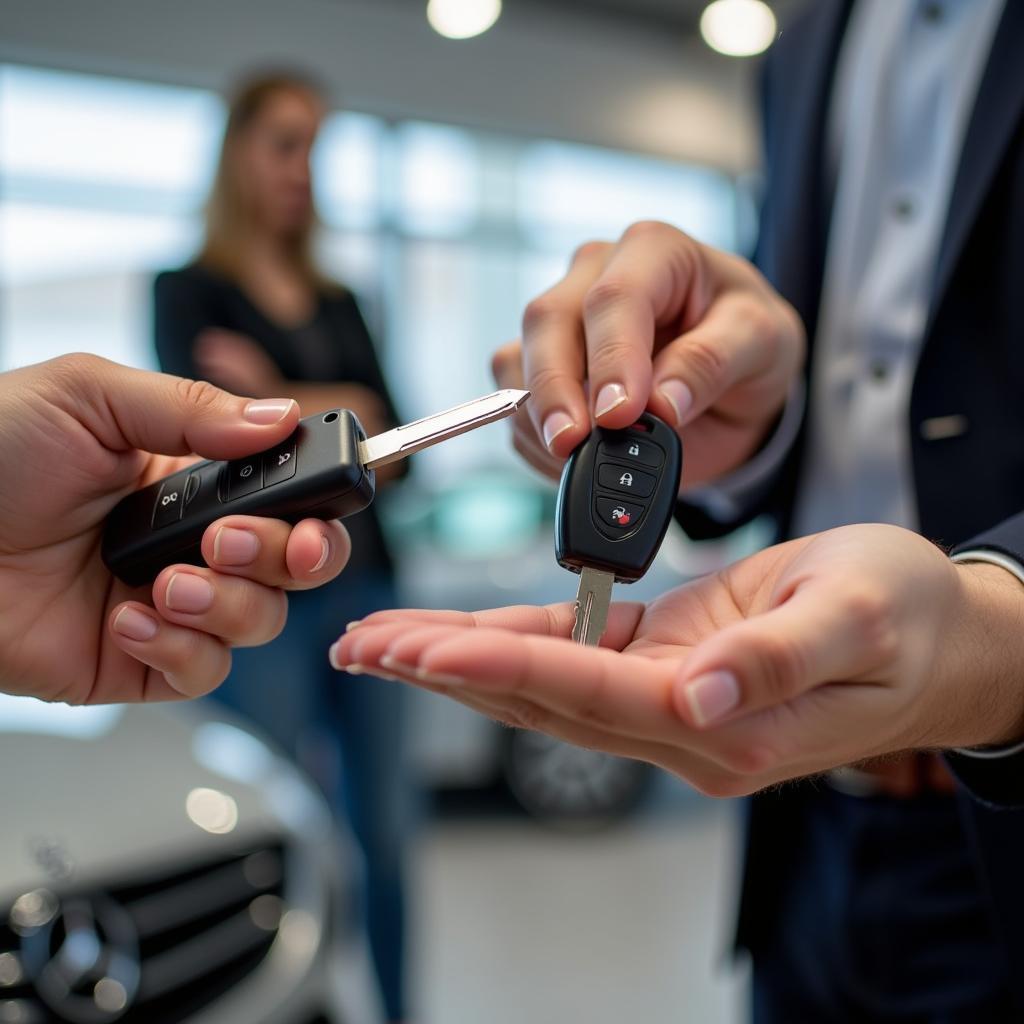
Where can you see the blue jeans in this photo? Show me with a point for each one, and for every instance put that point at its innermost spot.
(348, 732)
(883, 919)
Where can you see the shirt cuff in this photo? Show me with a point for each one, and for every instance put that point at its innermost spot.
(1012, 566)
(725, 498)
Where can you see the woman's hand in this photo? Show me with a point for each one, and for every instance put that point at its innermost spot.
(237, 363)
(76, 435)
(821, 652)
(656, 321)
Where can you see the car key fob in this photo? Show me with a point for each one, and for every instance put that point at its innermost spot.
(324, 470)
(317, 472)
(616, 498)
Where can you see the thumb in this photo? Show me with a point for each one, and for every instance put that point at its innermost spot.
(156, 412)
(823, 633)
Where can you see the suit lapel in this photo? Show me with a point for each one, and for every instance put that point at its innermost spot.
(996, 116)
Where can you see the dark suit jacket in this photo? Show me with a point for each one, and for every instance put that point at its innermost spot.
(970, 488)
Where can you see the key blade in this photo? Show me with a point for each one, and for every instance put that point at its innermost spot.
(401, 442)
(593, 599)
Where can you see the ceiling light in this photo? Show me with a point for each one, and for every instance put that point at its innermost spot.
(738, 28)
(462, 19)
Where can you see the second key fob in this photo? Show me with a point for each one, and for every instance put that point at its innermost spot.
(616, 498)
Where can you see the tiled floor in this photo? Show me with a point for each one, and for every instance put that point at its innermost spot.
(517, 924)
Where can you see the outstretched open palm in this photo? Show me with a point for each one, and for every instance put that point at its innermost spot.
(812, 654)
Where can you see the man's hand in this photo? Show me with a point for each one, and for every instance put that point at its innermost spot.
(661, 322)
(821, 652)
(76, 435)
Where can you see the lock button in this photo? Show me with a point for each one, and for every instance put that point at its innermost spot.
(625, 479)
(170, 501)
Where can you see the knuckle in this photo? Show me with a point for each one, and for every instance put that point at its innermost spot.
(198, 395)
(781, 664)
(644, 229)
(548, 380)
(589, 250)
(540, 311)
(705, 363)
(605, 294)
(869, 609)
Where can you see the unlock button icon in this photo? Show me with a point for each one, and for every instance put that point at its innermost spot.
(279, 464)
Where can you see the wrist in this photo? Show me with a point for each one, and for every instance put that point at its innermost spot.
(988, 657)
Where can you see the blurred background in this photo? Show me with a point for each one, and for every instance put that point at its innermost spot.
(453, 178)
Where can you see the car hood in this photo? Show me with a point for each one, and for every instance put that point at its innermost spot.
(87, 792)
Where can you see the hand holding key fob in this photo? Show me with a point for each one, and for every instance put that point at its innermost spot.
(323, 471)
(616, 498)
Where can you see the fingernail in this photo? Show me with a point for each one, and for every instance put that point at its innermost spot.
(235, 547)
(557, 423)
(439, 678)
(679, 396)
(354, 668)
(397, 666)
(268, 411)
(611, 396)
(188, 593)
(334, 656)
(325, 553)
(135, 625)
(352, 625)
(712, 696)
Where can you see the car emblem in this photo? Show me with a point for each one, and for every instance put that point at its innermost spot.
(81, 953)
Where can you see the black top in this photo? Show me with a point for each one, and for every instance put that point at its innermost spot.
(334, 346)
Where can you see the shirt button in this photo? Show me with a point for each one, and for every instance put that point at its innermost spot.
(879, 371)
(903, 208)
(933, 12)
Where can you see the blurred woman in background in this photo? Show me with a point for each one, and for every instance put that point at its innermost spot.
(255, 314)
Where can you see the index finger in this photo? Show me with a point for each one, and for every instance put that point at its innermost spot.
(554, 356)
(654, 278)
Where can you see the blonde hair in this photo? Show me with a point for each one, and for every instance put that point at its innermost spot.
(226, 229)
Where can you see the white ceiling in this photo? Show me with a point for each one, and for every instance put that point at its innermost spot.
(602, 71)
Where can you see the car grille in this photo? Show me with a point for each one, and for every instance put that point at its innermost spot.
(200, 929)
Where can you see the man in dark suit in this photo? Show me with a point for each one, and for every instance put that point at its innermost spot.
(894, 226)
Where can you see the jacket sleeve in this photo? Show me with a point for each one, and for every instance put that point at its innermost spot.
(994, 777)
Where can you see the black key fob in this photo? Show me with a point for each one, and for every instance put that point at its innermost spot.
(616, 498)
(316, 473)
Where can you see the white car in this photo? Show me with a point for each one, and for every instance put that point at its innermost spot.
(162, 865)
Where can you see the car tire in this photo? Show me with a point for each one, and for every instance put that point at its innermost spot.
(568, 786)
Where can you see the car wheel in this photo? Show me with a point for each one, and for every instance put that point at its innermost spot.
(565, 785)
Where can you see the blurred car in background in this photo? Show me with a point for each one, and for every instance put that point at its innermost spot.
(160, 865)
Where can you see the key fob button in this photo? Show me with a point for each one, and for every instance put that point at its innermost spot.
(633, 449)
(169, 501)
(244, 476)
(616, 516)
(195, 480)
(279, 464)
(627, 480)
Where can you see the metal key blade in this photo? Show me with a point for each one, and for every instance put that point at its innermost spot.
(401, 442)
(593, 598)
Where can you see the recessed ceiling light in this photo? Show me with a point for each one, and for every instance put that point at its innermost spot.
(738, 28)
(462, 19)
